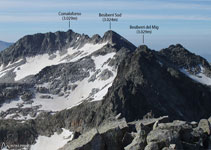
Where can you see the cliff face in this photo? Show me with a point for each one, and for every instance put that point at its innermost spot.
(149, 80)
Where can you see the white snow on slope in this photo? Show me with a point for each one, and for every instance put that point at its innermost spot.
(15, 103)
(2, 74)
(10, 104)
(84, 87)
(53, 142)
(200, 77)
(35, 64)
(75, 97)
(10, 66)
(80, 93)
(55, 104)
(99, 96)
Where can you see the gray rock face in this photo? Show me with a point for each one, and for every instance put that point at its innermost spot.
(162, 137)
(46, 97)
(13, 91)
(32, 45)
(118, 40)
(139, 140)
(106, 137)
(141, 83)
(64, 76)
(182, 58)
(27, 96)
(115, 135)
(88, 141)
(106, 74)
(205, 126)
(16, 133)
(152, 146)
(167, 136)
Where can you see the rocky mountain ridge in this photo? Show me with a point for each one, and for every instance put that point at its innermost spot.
(32, 45)
(90, 83)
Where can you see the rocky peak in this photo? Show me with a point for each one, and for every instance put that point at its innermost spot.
(183, 58)
(96, 38)
(177, 49)
(143, 48)
(118, 40)
(143, 83)
(40, 43)
(176, 46)
(110, 35)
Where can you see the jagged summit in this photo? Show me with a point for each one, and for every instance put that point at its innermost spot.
(176, 46)
(110, 35)
(143, 48)
(41, 43)
(183, 58)
(118, 40)
(46, 49)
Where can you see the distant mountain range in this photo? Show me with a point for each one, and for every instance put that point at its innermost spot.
(4, 45)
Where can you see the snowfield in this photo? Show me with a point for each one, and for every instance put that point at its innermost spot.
(86, 90)
(53, 142)
(200, 77)
(34, 65)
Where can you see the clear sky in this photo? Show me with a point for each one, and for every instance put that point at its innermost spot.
(181, 21)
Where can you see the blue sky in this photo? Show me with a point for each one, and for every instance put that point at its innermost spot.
(181, 21)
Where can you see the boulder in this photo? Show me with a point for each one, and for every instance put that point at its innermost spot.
(150, 122)
(87, 141)
(209, 119)
(27, 96)
(127, 139)
(163, 137)
(152, 146)
(108, 136)
(138, 143)
(204, 125)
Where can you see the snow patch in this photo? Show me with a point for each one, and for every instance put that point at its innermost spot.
(77, 96)
(2, 74)
(161, 64)
(99, 96)
(86, 50)
(200, 77)
(53, 142)
(5, 70)
(101, 59)
(10, 104)
(84, 88)
(35, 64)
(9, 67)
(57, 103)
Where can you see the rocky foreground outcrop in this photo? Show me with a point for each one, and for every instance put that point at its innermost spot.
(146, 134)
